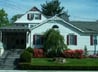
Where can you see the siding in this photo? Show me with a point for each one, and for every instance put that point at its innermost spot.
(82, 39)
(24, 19)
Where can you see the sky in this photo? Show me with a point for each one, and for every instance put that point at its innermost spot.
(83, 10)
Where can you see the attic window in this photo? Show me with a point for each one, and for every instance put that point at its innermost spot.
(55, 26)
(37, 16)
(30, 16)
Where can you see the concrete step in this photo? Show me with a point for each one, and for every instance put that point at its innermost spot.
(10, 59)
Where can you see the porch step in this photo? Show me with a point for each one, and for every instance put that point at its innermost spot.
(9, 59)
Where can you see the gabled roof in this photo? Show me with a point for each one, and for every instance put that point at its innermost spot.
(86, 26)
(34, 9)
(56, 18)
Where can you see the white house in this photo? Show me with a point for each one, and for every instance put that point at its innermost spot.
(29, 28)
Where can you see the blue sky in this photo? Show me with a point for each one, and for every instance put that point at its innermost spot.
(77, 9)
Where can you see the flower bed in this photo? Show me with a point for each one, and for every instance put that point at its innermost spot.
(73, 53)
(38, 52)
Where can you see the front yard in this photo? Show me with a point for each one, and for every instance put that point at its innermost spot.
(69, 62)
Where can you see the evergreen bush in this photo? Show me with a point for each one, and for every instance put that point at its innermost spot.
(25, 57)
(29, 49)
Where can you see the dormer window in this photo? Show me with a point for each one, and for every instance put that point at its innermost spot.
(37, 16)
(30, 16)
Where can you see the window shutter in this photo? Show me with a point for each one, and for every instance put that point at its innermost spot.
(34, 39)
(75, 39)
(40, 16)
(28, 16)
(67, 39)
(91, 39)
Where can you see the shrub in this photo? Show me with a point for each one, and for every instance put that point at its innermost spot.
(85, 51)
(25, 57)
(53, 43)
(24, 66)
(29, 49)
(73, 53)
(38, 52)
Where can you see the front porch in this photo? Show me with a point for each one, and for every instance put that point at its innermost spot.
(14, 37)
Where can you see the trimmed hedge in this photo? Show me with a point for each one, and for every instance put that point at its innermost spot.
(27, 66)
(29, 49)
(25, 57)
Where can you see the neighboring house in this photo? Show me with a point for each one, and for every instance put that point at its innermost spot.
(29, 29)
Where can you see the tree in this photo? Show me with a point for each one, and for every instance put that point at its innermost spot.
(3, 18)
(54, 43)
(52, 8)
(15, 17)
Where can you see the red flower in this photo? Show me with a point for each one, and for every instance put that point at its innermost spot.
(73, 53)
(38, 52)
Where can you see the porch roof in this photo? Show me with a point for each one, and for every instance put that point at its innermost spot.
(14, 28)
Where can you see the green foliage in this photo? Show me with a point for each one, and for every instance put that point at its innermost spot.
(52, 8)
(54, 43)
(25, 57)
(85, 51)
(3, 18)
(15, 17)
(24, 66)
(70, 64)
(29, 49)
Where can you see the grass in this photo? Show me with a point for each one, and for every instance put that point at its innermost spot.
(69, 62)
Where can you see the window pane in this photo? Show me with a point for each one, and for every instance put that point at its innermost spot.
(30, 16)
(38, 40)
(72, 39)
(38, 16)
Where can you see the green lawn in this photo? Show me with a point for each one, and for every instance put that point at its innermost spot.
(70, 62)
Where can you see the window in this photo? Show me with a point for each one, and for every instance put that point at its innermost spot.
(55, 26)
(71, 39)
(37, 16)
(30, 16)
(93, 39)
(38, 39)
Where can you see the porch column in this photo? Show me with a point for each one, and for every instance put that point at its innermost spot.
(28, 39)
(0, 36)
